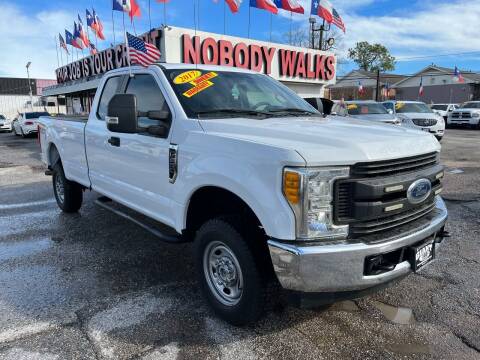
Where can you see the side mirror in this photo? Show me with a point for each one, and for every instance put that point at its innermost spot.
(122, 114)
(158, 130)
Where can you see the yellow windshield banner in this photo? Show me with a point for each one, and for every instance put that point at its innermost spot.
(200, 83)
(187, 77)
(352, 107)
(399, 105)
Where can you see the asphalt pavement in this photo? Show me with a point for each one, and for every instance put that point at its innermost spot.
(93, 286)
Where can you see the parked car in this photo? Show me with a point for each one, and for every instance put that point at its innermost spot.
(417, 115)
(365, 110)
(5, 124)
(26, 123)
(468, 114)
(444, 109)
(268, 189)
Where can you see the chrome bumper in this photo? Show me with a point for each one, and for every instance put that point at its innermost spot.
(340, 267)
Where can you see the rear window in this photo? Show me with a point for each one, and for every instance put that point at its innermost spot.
(36, 115)
(366, 109)
(471, 105)
(440, 107)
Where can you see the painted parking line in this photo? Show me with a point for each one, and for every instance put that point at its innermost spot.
(27, 204)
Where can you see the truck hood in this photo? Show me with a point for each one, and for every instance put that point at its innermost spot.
(327, 141)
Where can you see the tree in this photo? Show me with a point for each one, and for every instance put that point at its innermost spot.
(372, 57)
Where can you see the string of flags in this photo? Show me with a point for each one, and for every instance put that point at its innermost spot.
(80, 38)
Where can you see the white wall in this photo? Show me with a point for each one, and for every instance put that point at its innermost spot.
(11, 105)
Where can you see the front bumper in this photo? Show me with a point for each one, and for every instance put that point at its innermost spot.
(463, 121)
(5, 127)
(340, 267)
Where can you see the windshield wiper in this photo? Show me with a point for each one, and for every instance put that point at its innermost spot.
(235, 112)
(294, 111)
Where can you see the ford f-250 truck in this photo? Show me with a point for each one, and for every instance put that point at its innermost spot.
(268, 190)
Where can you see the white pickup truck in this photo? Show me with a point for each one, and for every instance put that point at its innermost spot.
(269, 190)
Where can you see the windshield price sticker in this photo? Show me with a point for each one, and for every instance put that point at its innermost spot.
(200, 83)
(399, 105)
(187, 76)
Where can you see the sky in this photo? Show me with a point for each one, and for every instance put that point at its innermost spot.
(417, 33)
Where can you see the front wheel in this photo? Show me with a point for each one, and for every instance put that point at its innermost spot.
(69, 194)
(227, 272)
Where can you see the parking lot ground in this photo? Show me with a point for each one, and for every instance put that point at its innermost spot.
(91, 286)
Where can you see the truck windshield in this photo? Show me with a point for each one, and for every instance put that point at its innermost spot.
(219, 94)
(440, 107)
(471, 105)
(403, 108)
(36, 115)
(366, 109)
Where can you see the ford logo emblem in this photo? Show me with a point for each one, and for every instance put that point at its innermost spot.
(419, 191)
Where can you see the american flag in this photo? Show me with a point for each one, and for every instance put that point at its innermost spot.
(63, 45)
(140, 52)
(337, 20)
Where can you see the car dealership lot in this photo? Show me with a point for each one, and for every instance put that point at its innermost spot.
(91, 286)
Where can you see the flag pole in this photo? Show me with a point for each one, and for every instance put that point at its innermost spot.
(271, 21)
(113, 28)
(291, 28)
(149, 17)
(195, 15)
(224, 18)
(56, 48)
(249, 16)
(128, 56)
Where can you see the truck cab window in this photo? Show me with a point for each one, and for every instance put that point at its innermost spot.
(149, 98)
(109, 90)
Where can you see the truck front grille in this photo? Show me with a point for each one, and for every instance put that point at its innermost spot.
(395, 167)
(363, 202)
(425, 122)
(461, 115)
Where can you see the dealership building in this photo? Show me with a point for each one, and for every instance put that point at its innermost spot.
(305, 71)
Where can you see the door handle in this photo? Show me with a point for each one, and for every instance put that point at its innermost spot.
(114, 141)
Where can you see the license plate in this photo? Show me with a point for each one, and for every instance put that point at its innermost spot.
(421, 255)
(426, 129)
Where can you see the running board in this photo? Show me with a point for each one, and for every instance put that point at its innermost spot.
(102, 202)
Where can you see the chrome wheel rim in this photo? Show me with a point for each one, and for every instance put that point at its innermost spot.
(223, 273)
(59, 189)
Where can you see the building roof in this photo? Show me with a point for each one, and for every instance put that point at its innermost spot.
(469, 76)
(355, 76)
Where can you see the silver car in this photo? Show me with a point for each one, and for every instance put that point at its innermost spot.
(5, 124)
(365, 110)
(417, 115)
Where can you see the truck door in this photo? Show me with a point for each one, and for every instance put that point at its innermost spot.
(133, 169)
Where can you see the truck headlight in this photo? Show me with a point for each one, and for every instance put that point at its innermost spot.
(476, 115)
(309, 192)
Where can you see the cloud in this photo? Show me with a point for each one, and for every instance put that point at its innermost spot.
(29, 39)
(438, 28)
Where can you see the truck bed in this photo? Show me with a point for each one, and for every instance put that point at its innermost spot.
(68, 135)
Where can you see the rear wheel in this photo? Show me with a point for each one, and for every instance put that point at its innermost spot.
(228, 272)
(69, 194)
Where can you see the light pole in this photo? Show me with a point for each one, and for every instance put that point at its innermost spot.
(30, 84)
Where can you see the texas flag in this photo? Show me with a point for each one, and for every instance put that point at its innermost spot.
(324, 9)
(290, 5)
(77, 40)
(234, 5)
(458, 77)
(83, 34)
(361, 89)
(129, 6)
(97, 26)
(268, 5)
(421, 90)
